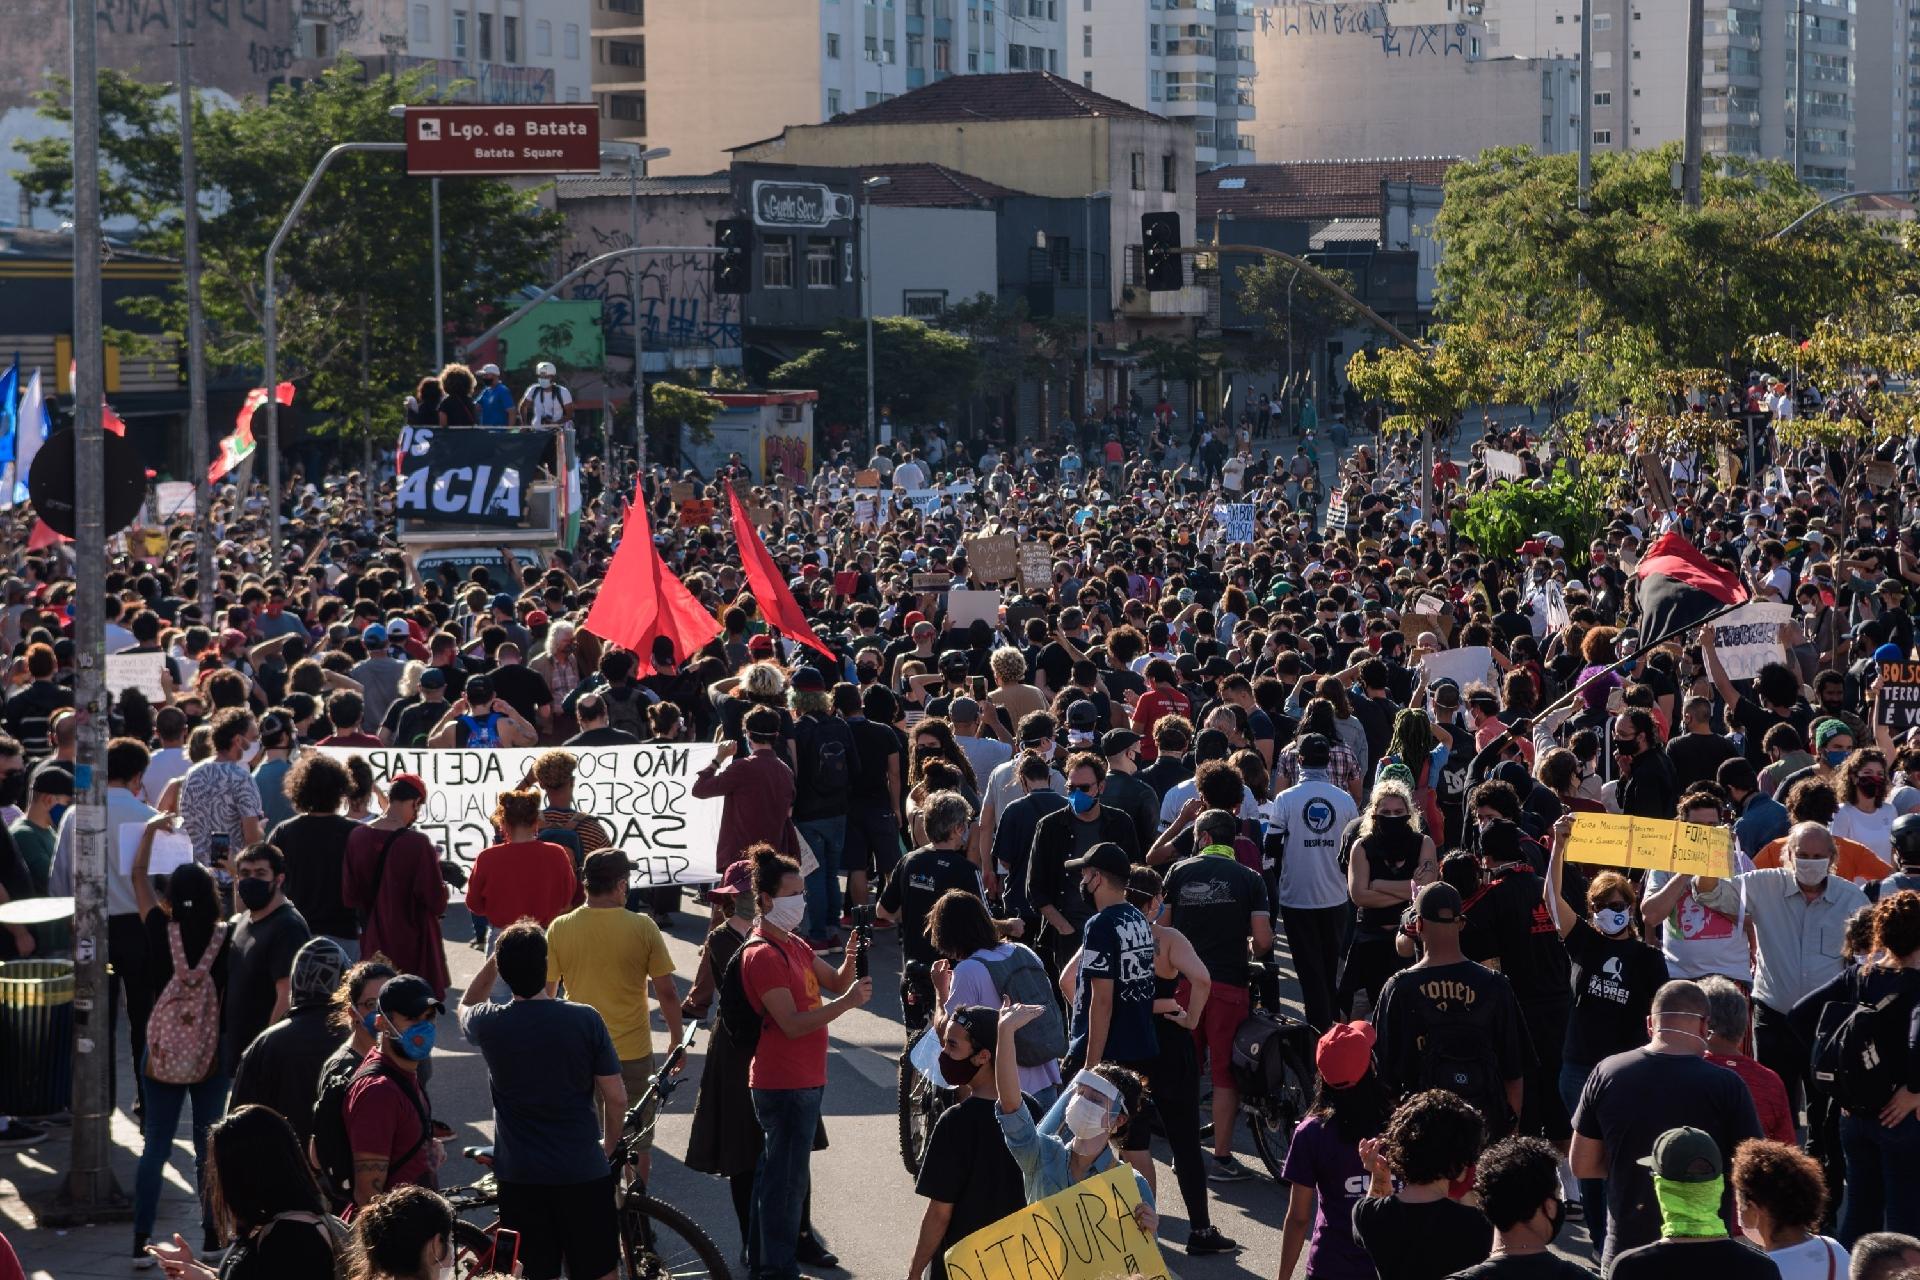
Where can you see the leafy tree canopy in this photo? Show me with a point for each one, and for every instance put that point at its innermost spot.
(920, 372)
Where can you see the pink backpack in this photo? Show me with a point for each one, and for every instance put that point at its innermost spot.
(183, 1031)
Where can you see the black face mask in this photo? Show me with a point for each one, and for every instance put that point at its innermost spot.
(13, 789)
(253, 893)
(955, 1072)
(1556, 1217)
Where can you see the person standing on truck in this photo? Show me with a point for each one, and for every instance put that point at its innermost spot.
(546, 403)
(494, 402)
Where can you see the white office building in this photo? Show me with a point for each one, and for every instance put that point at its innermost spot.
(1189, 60)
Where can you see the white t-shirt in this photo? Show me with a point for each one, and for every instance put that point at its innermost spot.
(546, 404)
(1874, 830)
(1820, 1258)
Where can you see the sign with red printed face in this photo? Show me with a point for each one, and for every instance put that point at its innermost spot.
(445, 141)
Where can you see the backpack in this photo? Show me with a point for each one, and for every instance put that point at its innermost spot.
(339, 1238)
(738, 1018)
(629, 712)
(1262, 1045)
(183, 1031)
(832, 774)
(1847, 1049)
(332, 1150)
(1895, 883)
(1460, 1058)
(1021, 978)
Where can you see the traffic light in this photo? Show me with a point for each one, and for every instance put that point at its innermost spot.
(733, 268)
(1160, 236)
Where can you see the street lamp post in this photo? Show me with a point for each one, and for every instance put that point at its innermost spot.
(867, 187)
(1286, 388)
(635, 158)
(1831, 201)
(1090, 198)
(198, 445)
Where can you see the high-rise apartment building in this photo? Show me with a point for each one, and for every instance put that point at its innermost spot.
(704, 76)
(1189, 60)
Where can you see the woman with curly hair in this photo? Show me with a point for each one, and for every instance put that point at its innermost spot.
(1420, 1232)
(406, 1234)
(456, 397)
(314, 843)
(1865, 816)
(522, 875)
(1781, 1196)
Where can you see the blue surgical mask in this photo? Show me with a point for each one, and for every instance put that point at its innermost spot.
(416, 1042)
(371, 1022)
(1834, 759)
(1081, 801)
(53, 814)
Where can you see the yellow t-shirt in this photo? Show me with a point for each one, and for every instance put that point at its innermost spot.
(607, 957)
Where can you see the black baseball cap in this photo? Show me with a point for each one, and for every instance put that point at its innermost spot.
(981, 1024)
(1684, 1155)
(1440, 903)
(1115, 741)
(1105, 856)
(410, 996)
(479, 689)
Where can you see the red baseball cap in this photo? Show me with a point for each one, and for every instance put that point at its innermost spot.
(409, 780)
(737, 879)
(762, 643)
(1345, 1054)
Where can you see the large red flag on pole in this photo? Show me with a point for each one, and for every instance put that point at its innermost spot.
(642, 598)
(777, 605)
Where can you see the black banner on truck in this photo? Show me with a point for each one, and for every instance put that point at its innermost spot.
(467, 475)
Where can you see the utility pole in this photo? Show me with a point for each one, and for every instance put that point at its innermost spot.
(200, 448)
(90, 1190)
(1586, 102)
(1696, 50)
(439, 298)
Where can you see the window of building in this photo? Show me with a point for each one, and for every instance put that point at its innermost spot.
(833, 44)
(1137, 170)
(973, 60)
(1086, 79)
(873, 49)
(872, 98)
(1602, 59)
(573, 93)
(916, 51)
(422, 32)
(627, 53)
(1559, 19)
(509, 38)
(542, 39)
(459, 35)
(483, 28)
(1169, 173)
(628, 106)
(1603, 22)
(833, 103)
(1473, 46)
(313, 39)
(820, 259)
(1016, 57)
(776, 262)
(1604, 98)
(1156, 87)
(889, 51)
(1086, 42)
(942, 54)
(638, 8)
(1053, 60)
(1603, 137)
(1153, 37)
(570, 40)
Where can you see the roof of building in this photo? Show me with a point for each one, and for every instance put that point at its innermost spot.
(1010, 95)
(1311, 189)
(57, 246)
(1346, 231)
(932, 186)
(700, 184)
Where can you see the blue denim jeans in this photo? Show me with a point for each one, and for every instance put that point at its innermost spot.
(1883, 1176)
(162, 1125)
(827, 837)
(1593, 1191)
(789, 1118)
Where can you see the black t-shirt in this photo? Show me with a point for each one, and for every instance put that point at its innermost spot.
(315, 846)
(877, 743)
(1420, 1241)
(523, 688)
(1526, 1266)
(916, 884)
(1508, 919)
(1697, 757)
(1613, 984)
(1723, 1259)
(1056, 664)
(1213, 899)
(1164, 774)
(288, 1250)
(967, 1165)
(260, 955)
(1439, 1020)
(416, 722)
(1754, 720)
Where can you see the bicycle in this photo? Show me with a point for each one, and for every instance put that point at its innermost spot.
(657, 1241)
(1272, 1067)
(919, 1100)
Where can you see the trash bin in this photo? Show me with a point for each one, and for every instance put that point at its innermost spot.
(36, 1037)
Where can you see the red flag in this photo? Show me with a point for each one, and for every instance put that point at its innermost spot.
(642, 598)
(776, 602)
(1680, 588)
(43, 535)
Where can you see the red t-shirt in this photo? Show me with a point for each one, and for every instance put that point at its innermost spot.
(1149, 707)
(531, 878)
(381, 1117)
(354, 739)
(1769, 1094)
(782, 1062)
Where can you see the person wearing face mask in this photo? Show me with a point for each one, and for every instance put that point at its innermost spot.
(1634, 1098)
(388, 1119)
(1799, 912)
(546, 403)
(406, 1236)
(1864, 816)
(1647, 788)
(1685, 1195)
(1815, 800)
(1054, 881)
(354, 1009)
(1518, 1183)
(391, 873)
(268, 932)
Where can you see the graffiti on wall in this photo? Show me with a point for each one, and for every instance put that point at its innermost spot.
(491, 82)
(1367, 20)
(678, 308)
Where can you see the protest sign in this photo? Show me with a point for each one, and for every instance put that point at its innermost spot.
(642, 793)
(1087, 1232)
(1882, 475)
(868, 479)
(1337, 514)
(1502, 465)
(1651, 844)
(696, 512)
(468, 477)
(171, 849)
(1428, 602)
(142, 671)
(1898, 706)
(993, 557)
(1472, 665)
(964, 606)
(932, 581)
(1036, 566)
(172, 498)
(1749, 638)
(1238, 522)
(846, 582)
(1412, 624)
(681, 492)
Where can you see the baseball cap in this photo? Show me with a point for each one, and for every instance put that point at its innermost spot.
(1114, 741)
(1105, 856)
(981, 1024)
(479, 689)
(491, 370)
(537, 618)
(1893, 585)
(399, 629)
(414, 785)
(963, 710)
(409, 996)
(375, 634)
(503, 601)
(761, 643)
(1083, 715)
(736, 879)
(1440, 903)
(51, 779)
(433, 678)
(808, 680)
(1344, 1054)
(1684, 1154)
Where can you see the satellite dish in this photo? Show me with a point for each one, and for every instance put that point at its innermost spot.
(50, 482)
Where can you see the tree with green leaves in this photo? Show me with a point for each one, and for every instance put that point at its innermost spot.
(673, 412)
(920, 373)
(1306, 320)
(355, 312)
(1183, 360)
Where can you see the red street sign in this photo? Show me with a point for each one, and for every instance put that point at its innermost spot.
(553, 138)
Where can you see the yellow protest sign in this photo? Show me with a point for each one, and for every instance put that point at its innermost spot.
(1649, 844)
(1087, 1232)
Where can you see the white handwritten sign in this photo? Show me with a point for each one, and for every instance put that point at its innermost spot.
(142, 671)
(1471, 665)
(1502, 465)
(1749, 638)
(644, 796)
(171, 849)
(1238, 521)
(172, 498)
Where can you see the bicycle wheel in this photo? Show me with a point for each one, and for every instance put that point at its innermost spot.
(472, 1250)
(658, 1241)
(1272, 1119)
(919, 1106)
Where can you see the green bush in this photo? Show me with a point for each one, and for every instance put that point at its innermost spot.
(1500, 517)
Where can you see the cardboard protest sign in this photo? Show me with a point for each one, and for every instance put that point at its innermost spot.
(143, 671)
(1502, 465)
(993, 557)
(642, 793)
(1652, 844)
(1238, 522)
(1898, 706)
(696, 512)
(868, 479)
(681, 492)
(1087, 1232)
(964, 606)
(1749, 638)
(1412, 624)
(1882, 475)
(1472, 665)
(1036, 566)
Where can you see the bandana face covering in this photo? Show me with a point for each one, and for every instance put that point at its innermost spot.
(1689, 1208)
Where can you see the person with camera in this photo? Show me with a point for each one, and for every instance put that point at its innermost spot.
(917, 883)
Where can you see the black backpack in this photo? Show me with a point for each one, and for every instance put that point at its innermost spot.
(331, 1148)
(627, 710)
(738, 1018)
(1859, 1049)
(830, 775)
(1459, 1057)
